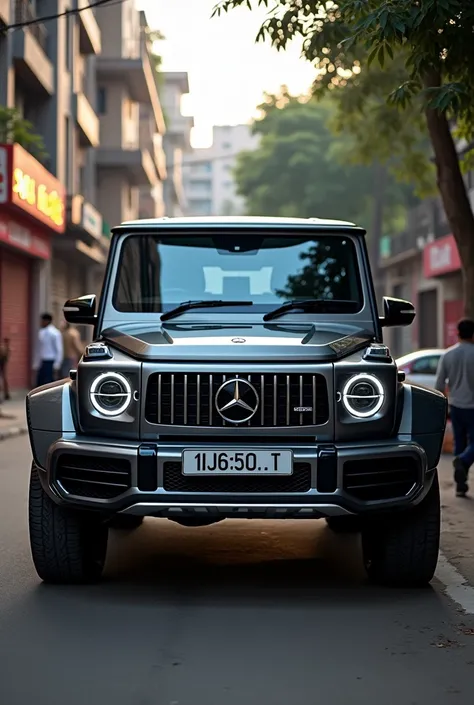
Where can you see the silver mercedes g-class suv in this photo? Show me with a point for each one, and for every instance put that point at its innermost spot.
(237, 371)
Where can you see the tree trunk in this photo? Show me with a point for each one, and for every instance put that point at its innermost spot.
(453, 194)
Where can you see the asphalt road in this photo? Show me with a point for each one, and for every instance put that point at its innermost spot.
(235, 614)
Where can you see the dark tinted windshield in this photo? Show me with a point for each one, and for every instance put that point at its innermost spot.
(157, 273)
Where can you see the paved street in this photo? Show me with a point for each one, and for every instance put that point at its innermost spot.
(234, 614)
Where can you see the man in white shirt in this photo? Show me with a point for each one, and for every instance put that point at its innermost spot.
(49, 351)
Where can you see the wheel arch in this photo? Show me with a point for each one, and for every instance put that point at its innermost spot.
(422, 418)
(51, 412)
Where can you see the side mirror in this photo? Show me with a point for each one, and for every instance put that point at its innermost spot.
(397, 312)
(81, 311)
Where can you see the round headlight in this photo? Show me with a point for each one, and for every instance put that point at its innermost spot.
(363, 396)
(110, 394)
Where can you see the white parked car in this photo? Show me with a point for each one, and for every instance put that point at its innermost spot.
(420, 367)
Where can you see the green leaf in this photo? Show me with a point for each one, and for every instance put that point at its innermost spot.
(399, 25)
(372, 55)
(381, 56)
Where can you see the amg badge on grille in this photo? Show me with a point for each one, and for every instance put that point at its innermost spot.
(302, 409)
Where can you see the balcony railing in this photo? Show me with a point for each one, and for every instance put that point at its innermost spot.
(24, 12)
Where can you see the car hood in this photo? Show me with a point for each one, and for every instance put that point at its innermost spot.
(228, 343)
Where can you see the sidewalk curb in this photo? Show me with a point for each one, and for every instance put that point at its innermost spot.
(12, 432)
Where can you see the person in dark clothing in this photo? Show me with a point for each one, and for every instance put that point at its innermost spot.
(456, 371)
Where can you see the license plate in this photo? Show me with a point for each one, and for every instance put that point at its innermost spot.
(237, 462)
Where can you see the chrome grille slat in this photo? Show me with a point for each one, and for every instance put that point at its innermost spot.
(159, 399)
(275, 400)
(185, 399)
(198, 400)
(211, 398)
(172, 399)
(301, 399)
(188, 399)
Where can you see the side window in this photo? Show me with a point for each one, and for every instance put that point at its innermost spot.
(426, 365)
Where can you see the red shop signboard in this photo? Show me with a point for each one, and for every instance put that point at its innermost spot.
(441, 257)
(26, 186)
(24, 236)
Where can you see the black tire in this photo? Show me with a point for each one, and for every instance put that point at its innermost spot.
(125, 522)
(344, 524)
(402, 550)
(68, 547)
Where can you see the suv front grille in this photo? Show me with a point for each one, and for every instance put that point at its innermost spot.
(299, 481)
(188, 399)
(89, 476)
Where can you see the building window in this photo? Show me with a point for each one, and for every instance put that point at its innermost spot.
(199, 185)
(101, 101)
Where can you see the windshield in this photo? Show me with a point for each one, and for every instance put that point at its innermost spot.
(156, 274)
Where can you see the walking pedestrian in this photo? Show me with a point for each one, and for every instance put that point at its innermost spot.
(4, 357)
(49, 351)
(72, 347)
(456, 372)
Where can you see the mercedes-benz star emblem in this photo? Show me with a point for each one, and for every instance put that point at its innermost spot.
(237, 400)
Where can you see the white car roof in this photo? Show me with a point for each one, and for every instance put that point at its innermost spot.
(418, 354)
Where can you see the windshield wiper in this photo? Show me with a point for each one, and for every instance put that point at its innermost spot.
(317, 305)
(187, 305)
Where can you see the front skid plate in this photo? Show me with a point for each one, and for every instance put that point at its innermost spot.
(276, 511)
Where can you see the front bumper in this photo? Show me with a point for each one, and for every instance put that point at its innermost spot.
(145, 479)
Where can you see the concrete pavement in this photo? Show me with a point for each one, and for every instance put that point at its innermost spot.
(273, 613)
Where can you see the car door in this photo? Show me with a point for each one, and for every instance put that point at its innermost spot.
(423, 370)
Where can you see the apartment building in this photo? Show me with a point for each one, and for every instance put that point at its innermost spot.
(86, 83)
(208, 180)
(130, 162)
(177, 142)
(33, 196)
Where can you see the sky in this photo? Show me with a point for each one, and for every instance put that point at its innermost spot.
(228, 72)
